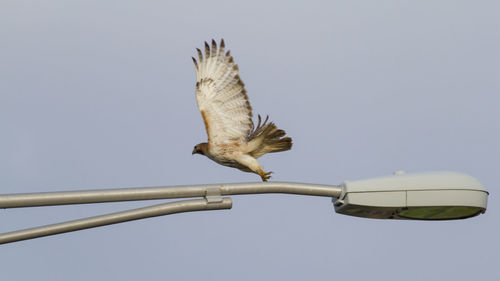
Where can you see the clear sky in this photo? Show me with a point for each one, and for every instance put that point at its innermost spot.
(100, 94)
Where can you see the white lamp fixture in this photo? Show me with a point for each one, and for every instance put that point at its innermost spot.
(426, 196)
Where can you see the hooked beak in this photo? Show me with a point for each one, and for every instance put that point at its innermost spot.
(194, 151)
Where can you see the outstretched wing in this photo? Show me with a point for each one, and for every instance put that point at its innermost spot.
(221, 96)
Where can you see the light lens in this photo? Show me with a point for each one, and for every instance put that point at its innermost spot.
(440, 213)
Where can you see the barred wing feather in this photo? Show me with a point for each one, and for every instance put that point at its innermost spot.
(221, 96)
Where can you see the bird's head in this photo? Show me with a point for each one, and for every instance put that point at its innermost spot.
(200, 148)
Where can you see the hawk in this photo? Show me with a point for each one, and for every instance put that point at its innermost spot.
(233, 140)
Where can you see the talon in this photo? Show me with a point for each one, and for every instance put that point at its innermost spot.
(265, 176)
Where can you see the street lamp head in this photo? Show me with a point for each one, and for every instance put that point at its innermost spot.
(426, 196)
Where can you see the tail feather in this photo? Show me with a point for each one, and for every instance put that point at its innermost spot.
(267, 138)
(283, 144)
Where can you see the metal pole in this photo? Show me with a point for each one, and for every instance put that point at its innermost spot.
(135, 214)
(163, 192)
(211, 192)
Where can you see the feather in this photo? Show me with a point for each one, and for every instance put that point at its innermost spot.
(221, 96)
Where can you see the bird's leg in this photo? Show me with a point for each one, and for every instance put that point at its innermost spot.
(254, 166)
(264, 176)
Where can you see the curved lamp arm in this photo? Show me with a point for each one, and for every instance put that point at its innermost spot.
(212, 201)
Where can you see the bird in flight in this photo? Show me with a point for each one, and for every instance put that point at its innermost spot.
(233, 139)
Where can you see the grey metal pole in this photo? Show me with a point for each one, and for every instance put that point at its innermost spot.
(211, 192)
(163, 192)
(135, 214)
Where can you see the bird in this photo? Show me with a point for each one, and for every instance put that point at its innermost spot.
(233, 139)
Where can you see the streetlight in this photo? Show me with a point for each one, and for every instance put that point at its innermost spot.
(429, 196)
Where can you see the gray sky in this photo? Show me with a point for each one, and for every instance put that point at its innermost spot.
(97, 94)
